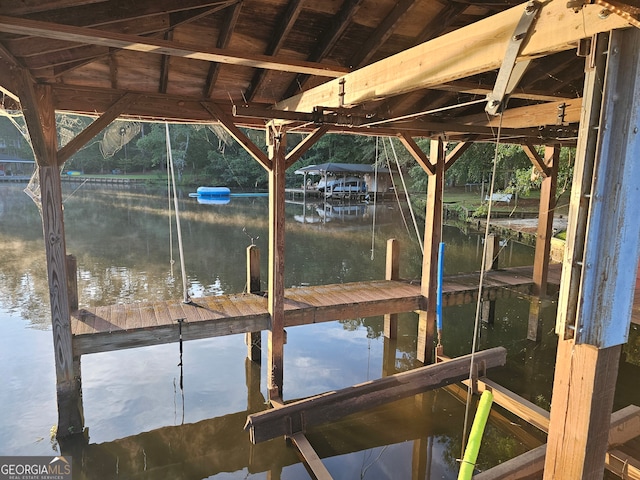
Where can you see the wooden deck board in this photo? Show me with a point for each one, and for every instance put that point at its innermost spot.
(125, 326)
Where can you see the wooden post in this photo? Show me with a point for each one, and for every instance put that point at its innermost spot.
(253, 340)
(275, 373)
(534, 327)
(392, 273)
(545, 221)
(39, 114)
(389, 348)
(432, 238)
(72, 282)
(488, 314)
(587, 365)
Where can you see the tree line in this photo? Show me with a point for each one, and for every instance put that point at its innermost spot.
(207, 155)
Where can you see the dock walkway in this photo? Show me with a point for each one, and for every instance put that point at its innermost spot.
(115, 327)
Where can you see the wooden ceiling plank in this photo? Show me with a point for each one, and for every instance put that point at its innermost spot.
(238, 135)
(441, 22)
(381, 33)
(288, 20)
(339, 24)
(231, 19)
(309, 141)
(99, 124)
(26, 7)
(115, 11)
(156, 46)
(415, 151)
(476, 48)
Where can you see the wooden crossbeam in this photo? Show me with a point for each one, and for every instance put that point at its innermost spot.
(96, 127)
(296, 417)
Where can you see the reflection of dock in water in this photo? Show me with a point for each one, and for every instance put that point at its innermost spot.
(220, 445)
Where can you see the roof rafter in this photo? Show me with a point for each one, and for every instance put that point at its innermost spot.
(294, 7)
(230, 21)
(148, 45)
(339, 24)
(382, 33)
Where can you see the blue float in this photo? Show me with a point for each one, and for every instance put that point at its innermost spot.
(213, 191)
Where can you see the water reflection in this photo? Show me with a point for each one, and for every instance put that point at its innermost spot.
(122, 241)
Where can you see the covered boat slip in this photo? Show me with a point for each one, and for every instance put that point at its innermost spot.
(406, 69)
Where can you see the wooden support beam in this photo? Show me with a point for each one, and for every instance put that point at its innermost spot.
(70, 412)
(392, 272)
(39, 115)
(432, 239)
(545, 220)
(95, 127)
(587, 366)
(276, 335)
(457, 152)
(253, 340)
(246, 143)
(417, 153)
(583, 389)
(310, 457)
(92, 36)
(483, 44)
(301, 148)
(538, 162)
(330, 406)
(623, 465)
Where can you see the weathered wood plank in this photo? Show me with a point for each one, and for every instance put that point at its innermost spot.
(330, 406)
(302, 306)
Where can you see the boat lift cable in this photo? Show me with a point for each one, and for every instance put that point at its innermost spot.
(476, 324)
(406, 193)
(395, 190)
(375, 197)
(185, 291)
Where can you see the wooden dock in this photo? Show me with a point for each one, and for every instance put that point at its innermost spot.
(101, 329)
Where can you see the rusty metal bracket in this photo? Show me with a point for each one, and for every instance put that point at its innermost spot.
(511, 71)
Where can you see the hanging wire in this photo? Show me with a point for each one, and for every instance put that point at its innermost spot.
(185, 291)
(406, 193)
(476, 324)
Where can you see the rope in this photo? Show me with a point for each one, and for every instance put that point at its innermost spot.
(479, 301)
(395, 190)
(185, 291)
(406, 193)
(375, 197)
(169, 210)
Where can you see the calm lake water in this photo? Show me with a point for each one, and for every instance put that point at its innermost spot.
(142, 424)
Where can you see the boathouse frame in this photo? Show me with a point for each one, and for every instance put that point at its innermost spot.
(596, 289)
